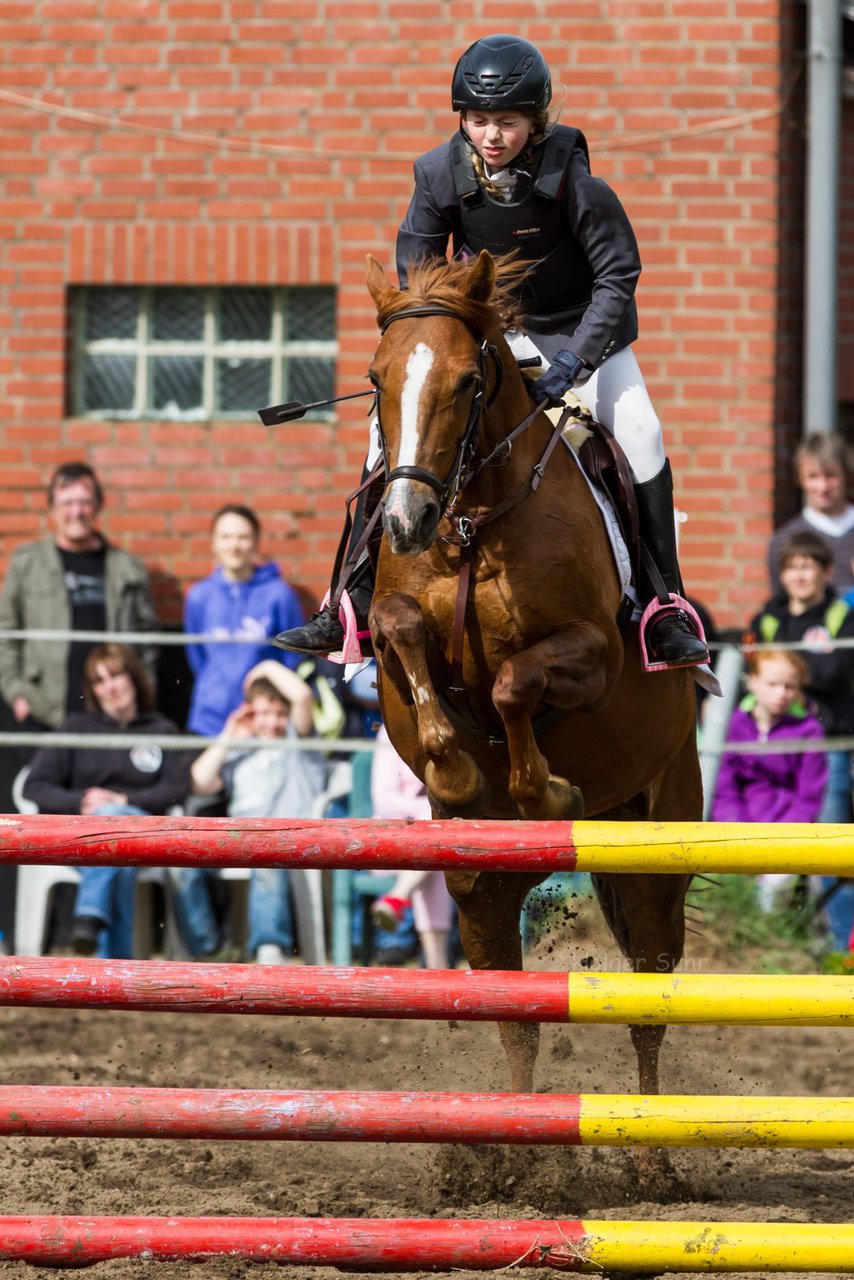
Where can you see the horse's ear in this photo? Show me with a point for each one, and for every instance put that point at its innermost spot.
(378, 285)
(481, 281)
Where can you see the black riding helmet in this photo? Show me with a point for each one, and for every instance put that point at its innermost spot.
(501, 71)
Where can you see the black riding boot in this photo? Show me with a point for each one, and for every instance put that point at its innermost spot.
(671, 638)
(325, 633)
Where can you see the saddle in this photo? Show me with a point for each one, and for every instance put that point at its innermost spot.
(608, 469)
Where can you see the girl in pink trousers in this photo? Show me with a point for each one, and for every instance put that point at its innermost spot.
(397, 793)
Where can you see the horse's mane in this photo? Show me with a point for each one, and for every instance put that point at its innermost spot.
(437, 282)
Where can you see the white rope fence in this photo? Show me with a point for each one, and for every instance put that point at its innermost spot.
(171, 742)
(713, 742)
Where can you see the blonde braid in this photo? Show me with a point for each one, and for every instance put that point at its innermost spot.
(480, 172)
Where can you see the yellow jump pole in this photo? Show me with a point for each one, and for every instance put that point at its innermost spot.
(616, 1120)
(725, 999)
(713, 1246)
(434, 1244)
(678, 847)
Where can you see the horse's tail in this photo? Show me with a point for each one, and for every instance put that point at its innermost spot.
(613, 911)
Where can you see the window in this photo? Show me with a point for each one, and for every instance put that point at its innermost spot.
(191, 354)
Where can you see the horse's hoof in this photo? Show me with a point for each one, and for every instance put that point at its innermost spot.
(657, 1178)
(561, 802)
(467, 797)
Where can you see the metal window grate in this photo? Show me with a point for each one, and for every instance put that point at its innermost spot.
(189, 354)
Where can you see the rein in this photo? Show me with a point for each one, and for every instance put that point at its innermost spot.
(463, 471)
(467, 528)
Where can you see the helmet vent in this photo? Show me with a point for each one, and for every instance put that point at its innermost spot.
(497, 86)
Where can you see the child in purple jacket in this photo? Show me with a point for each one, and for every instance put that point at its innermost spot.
(788, 787)
(772, 788)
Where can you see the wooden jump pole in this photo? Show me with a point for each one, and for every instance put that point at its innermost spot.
(429, 1244)
(659, 847)
(467, 995)
(46, 1111)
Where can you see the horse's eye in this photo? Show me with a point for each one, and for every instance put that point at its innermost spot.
(374, 380)
(467, 383)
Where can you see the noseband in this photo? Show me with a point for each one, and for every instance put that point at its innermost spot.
(458, 474)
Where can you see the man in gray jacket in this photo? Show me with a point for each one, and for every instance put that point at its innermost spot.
(72, 581)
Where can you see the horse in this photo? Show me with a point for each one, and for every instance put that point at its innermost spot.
(506, 680)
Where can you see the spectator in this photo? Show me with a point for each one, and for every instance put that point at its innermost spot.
(396, 792)
(243, 599)
(74, 580)
(812, 614)
(769, 787)
(260, 782)
(142, 778)
(788, 787)
(823, 470)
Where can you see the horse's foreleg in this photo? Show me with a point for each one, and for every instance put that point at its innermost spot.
(490, 905)
(454, 782)
(575, 670)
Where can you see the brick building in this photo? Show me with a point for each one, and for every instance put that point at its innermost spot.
(214, 146)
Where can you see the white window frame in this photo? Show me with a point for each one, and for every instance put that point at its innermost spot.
(277, 349)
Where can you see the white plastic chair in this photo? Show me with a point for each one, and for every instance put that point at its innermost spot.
(306, 883)
(35, 885)
(307, 889)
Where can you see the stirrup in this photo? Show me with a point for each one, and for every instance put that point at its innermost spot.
(678, 604)
(351, 649)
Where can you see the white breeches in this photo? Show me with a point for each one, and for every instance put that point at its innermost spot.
(615, 394)
(374, 444)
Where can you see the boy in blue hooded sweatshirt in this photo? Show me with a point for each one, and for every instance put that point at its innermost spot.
(243, 599)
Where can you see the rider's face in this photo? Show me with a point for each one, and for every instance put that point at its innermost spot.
(499, 136)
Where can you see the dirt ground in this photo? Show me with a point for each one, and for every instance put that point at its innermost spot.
(110, 1176)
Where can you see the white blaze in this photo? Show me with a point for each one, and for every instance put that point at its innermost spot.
(418, 366)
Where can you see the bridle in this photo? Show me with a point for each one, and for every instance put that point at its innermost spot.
(463, 468)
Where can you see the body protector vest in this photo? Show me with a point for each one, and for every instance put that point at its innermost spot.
(533, 223)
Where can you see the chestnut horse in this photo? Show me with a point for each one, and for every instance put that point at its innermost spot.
(556, 705)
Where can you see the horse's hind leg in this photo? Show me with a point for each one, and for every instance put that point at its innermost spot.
(646, 914)
(455, 784)
(490, 904)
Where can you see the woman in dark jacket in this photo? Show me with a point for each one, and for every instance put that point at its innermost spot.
(510, 180)
(140, 778)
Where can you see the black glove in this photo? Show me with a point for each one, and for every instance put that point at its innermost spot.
(558, 378)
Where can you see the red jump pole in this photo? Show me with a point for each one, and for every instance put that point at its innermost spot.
(333, 1116)
(279, 842)
(378, 1244)
(173, 987)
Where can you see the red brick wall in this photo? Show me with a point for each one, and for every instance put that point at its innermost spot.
(198, 179)
(846, 264)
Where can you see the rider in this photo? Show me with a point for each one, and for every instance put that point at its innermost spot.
(511, 180)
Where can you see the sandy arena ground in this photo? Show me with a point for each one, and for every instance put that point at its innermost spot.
(109, 1176)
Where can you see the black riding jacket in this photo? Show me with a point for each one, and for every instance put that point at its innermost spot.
(561, 217)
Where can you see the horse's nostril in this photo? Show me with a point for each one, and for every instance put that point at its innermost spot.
(391, 524)
(428, 522)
